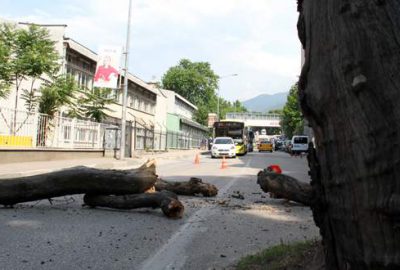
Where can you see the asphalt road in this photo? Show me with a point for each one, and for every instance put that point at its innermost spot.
(213, 234)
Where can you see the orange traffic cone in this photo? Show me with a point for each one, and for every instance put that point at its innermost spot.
(224, 164)
(197, 159)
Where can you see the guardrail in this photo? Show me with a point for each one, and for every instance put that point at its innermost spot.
(253, 116)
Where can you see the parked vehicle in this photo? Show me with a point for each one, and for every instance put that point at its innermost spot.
(299, 144)
(287, 145)
(250, 145)
(278, 145)
(265, 145)
(223, 146)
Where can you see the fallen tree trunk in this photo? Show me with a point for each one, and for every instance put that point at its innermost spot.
(167, 201)
(77, 180)
(287, 187)
(192, 187)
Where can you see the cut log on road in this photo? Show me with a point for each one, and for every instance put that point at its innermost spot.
(167, 201)
(284, 186)
(192, 187)
(77, 180)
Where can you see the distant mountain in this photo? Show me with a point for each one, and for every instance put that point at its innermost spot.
(265, 102)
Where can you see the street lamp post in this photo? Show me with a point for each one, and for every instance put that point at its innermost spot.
(222, 77)
(125, 91)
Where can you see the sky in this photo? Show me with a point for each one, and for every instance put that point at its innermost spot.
(256, 39)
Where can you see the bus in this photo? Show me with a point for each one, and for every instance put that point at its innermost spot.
(238, 132)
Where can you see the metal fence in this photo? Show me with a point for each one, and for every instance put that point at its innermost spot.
(31, 129)
(183, 141)
(158, 140)
(35, 130)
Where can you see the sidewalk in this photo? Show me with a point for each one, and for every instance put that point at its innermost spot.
(174, 154)
(12, 170)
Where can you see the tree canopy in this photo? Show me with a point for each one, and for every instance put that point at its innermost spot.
(60, 92)
(198, 83)
(292, 118)
(6, 49)
(34, 53)
(25, 53)
(93, 104)
(195, 81)
(30, 54)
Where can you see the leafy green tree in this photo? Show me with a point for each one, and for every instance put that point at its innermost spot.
(195, 81)
(227, 106)
(292, 119)
(94, 103)
(7, 37)
(238, 106)
(33, 55)
(276, 111)
(31, 99)
(60, 92)
(25, 53)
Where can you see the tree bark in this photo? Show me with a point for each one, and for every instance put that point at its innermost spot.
(192, 187)
(77, 180)
(284, 186)
(167, 201)
(349, 91)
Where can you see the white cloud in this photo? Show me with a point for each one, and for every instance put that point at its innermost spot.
(256, 38)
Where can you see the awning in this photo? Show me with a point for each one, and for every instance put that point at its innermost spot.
(140, 122)
(76, 46)
(194, 124)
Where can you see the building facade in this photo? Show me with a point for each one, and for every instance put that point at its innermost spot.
(56, 34)
(177, 120)
(156, 118)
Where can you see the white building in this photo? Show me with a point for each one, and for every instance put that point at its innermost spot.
(151, 112)
(56, 34)
(175, 115)
(80, 62)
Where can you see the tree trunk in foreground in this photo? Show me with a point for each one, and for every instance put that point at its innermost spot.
(284, 186)
(192, 187)
(77, 180)
(349, 91)
(167, 201)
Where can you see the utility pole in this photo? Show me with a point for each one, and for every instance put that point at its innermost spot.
(125, 90)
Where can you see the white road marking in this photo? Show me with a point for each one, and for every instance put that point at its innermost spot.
(172, 255)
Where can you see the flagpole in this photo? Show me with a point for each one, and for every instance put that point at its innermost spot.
(125, 90)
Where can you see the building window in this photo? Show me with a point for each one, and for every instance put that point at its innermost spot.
(140, 105)
(89, 82)
(131, 101)
(82, 80)
(135, 102)
(71, 71)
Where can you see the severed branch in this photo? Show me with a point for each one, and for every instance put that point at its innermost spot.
(77, 180)
(286, 187)
(167, 201)
(192, 187)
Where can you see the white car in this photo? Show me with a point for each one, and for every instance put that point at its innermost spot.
(299, 144)
(223, 146)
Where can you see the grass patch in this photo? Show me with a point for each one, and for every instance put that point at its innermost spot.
(297, 255)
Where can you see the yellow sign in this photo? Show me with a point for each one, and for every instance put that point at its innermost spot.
(9, 140)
